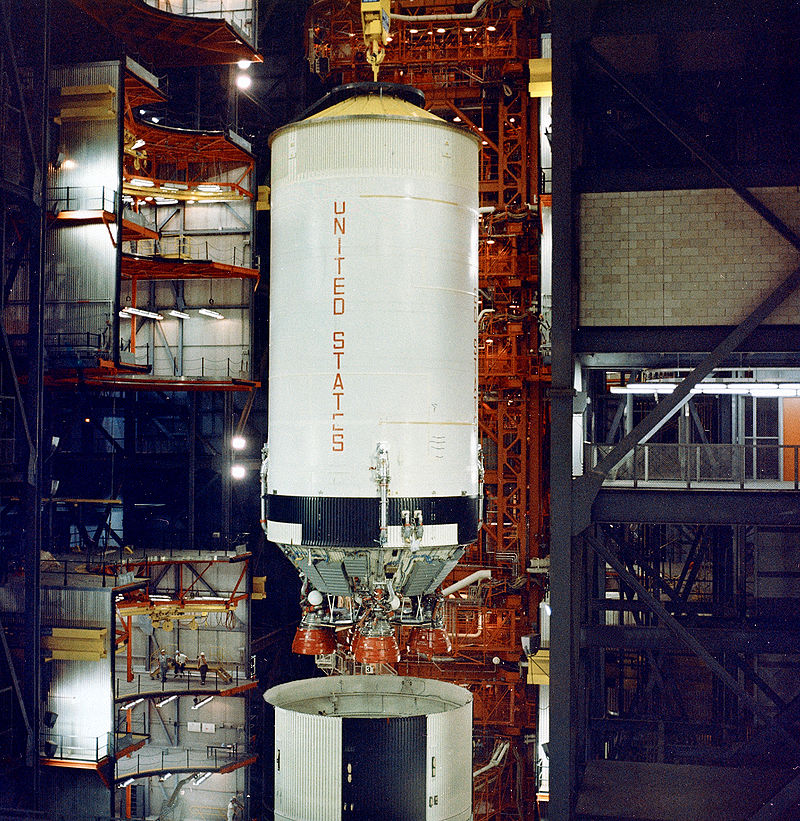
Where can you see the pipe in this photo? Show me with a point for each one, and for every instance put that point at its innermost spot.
(383, 481)
(467, 580)
(264, 473)
(430, 18)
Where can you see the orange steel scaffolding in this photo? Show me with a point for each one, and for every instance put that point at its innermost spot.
(474, 73)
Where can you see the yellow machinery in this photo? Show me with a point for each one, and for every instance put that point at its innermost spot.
(375, 21)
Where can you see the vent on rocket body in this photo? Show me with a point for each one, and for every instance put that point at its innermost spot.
(372, 478)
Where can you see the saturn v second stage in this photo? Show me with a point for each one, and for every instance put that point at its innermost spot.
(372, 477)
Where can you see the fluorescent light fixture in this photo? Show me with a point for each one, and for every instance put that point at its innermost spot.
(244, 64)
(440, 31)
(763, 389)
(244, 81)
(201, 703)
(491, 28)
(238, 471)
(166, 201)
(166, 700)
(644, 387)
(179, 314)
(456, 119)
(138, 144)
(468, 29)
(212, 314)
(124, 315)
(142, 183)
(413, 31)
(174, 186)
(131, 704)
(209, 188)
(201, 778)
(141, 312)
(126, 783)
(238, 442)
(165, 777)
(156, 119)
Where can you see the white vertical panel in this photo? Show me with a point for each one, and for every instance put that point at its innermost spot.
(374, 256)
(543, 733)
(449, 790)
(308, 784)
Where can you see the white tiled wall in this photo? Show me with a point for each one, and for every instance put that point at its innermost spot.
(683, 257)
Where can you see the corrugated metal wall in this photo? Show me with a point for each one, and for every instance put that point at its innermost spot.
(82, 267)
(449, 755)
(79, 692)
(308, 765)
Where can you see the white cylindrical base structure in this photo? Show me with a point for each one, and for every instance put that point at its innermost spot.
(364, 747)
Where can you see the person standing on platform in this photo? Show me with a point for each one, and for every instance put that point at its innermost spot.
(163, 665)
(180, 663)
(202, 666)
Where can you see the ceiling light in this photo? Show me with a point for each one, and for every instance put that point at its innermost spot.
(142, 183)
(244, 81)
(762, 389)
(179, 314)
(165, 777)
(244, 64)
(490, 28)
(191, 202)
(456, 119)
(468, 29)
(209, 187)
(126, 783)
(140, 312)
(201, 779)
(166, 201)
(131, 704)
(201, 703)
(440, 31)
(174, 186)
(166, 700)
(483, 142)
(212, 314)
(238, 471)
(413, 31)
(138, 144)
(141, 111)
(124, 315)
(156, 119)
(238, 442)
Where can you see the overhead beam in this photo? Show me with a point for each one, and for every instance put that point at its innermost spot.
(691, 506)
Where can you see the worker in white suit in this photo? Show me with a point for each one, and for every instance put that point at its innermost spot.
(233, 807)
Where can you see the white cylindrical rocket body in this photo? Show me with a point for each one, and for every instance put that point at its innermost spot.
(355, 747)
(373, 330)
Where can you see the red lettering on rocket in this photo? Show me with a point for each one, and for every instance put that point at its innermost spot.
(338, 309)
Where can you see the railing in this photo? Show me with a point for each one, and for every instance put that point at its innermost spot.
(145, 684)
(205, 758)
(205, 367)
(239, 13)
(185, 247)
(81, 198)
(748, 464)
(67, 746)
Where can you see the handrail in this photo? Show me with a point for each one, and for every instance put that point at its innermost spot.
(746, 464)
